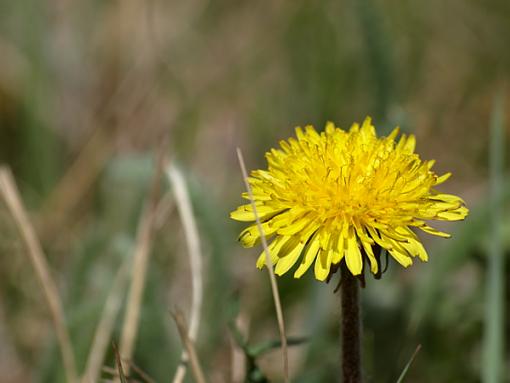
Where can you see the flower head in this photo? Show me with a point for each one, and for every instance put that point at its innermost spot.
(342, 196)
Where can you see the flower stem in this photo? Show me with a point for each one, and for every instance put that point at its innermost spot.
(351, 328)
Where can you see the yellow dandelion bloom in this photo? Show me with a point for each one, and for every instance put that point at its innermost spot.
(340, 195)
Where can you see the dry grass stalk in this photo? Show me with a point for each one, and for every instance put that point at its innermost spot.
(270, 269)
(14, 203)
(105, 326)
(193, 243)
(164, 210)
(196, 369)
(118, 364)
(140, 263)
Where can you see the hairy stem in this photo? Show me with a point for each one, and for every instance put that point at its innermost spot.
(351, 328)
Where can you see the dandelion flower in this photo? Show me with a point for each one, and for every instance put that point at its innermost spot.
(342, 196)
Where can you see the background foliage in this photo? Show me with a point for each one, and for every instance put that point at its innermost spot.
(88, 89)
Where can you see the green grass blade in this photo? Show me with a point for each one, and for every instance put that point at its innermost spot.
(406, 368)
(494, 331)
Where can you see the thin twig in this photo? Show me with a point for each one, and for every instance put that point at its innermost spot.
(115, 374)
(14, 203)
(195, 258)
(118, 364)
(140, 263)
(270, 268)
(105, 326)
(143, 375)
(196, 370)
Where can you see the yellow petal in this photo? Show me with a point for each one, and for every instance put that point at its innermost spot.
(394, 133)
(335, 244)
(288, 260)
(354, 128)
(309, 231)
(324, 237)
(366, 242)
(299, 224)
(442, 178)
(449, 198)
(453, 215)
(401, 257)
(430, 164)
(367, 128)
(400, 253)
(374, 267)
(310, 254)
(360, 232)
(245, 213)
(430, 230)
(410, 144)
(384, 244)
(416, 249)
(336, 257)
(311, 134)
(340, 246)
(353, 257)
(393, 234)
(250, 236)
(330, 128)
(274, 249)
(406, 143)
(407, 232)
(322, 264)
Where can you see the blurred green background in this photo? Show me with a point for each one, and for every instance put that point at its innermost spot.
(88, 89)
